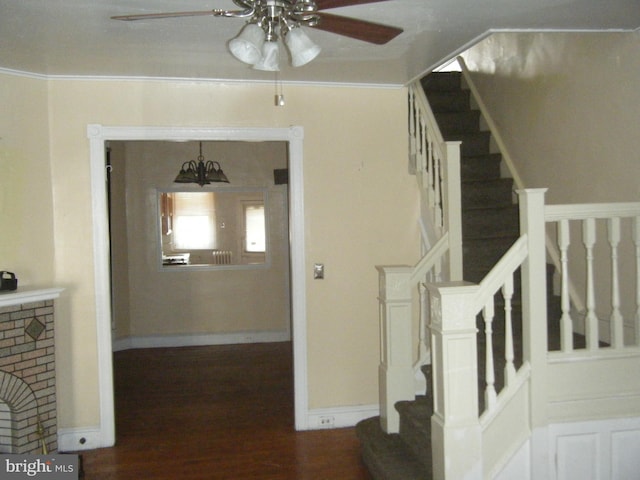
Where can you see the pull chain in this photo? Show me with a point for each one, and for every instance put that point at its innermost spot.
(279, 96)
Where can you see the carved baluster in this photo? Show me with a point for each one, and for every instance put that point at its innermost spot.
(616, 320)
(636, 242)
(509, 368)
(591, 319)
(566, 322)
(490, 376)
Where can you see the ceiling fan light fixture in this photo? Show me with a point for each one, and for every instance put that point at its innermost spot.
(247, 46)
(270, 61)
(301, 48)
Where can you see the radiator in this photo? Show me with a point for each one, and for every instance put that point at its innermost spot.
(221, 257)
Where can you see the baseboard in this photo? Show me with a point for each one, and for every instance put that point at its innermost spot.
(77, 439)
(193, 340)
(340, 417)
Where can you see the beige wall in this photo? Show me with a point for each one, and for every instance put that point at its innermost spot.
(26, 206)
(179, 301)
(355, 152)
(567, 108)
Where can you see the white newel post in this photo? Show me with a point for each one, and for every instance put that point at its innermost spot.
(453, 207)
(455, 428)
(534, 322)
(395, 374)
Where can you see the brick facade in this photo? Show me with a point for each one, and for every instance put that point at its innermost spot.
(27, 378)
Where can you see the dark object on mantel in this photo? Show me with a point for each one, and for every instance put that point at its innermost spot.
(8, 281)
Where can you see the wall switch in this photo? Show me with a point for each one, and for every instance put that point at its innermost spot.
(318, 271)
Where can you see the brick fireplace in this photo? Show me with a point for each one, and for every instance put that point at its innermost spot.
(28, 421)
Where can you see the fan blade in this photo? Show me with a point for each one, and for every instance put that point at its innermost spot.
(358, 29)
(327, 4)
(146, 16)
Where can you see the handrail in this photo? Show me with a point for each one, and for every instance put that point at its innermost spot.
(507, 265)
(428, 261)
(582, 211)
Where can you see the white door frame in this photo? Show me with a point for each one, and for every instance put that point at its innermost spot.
(98, 135)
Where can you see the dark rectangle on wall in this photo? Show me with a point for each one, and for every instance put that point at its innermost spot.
(281, 176)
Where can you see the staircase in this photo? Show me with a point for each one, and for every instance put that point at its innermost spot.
(490, 225)
(551, 388)
(489, 216)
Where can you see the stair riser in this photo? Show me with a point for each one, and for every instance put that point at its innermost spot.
(472, 143)
(485, 253)
(442, 82)
(458, 122)
(414, 435)
(456, 101)
(495, 193)
(483, 167)
(490, 223)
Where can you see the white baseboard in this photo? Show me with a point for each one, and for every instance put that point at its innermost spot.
(77, 439)
(340, 417)
(193, 340)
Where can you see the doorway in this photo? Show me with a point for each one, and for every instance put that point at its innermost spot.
(98, 136)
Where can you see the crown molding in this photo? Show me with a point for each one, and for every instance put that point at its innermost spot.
(220, 81)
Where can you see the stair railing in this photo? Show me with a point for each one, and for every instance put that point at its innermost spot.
(474, 441)
(598, 225)
(436, 164)
(465, 443)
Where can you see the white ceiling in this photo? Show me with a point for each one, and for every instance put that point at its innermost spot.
(78, 38)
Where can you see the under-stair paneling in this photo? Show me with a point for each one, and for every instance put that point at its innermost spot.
(506, 431)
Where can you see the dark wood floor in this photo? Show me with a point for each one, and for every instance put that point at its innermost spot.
(223, 412)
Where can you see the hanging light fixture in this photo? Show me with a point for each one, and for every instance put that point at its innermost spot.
(257, 43)
(201, 173)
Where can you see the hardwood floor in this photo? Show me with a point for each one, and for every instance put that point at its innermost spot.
(222, 412)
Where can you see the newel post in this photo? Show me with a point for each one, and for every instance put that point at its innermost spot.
(395, 374)
(534, 321)
(455, 428)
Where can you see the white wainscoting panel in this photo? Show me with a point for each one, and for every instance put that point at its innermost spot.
(577, 456)
(598, 450)
(625, 454)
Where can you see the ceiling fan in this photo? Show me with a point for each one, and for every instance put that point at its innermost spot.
(268, 20)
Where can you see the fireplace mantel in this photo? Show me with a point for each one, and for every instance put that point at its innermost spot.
(28, 295)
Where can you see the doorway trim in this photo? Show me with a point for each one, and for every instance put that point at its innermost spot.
(98, 135)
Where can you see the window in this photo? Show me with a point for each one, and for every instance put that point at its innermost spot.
(194, 221)
(254, 228)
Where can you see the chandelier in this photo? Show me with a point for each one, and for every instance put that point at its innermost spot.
(269, 21)
(201, 173)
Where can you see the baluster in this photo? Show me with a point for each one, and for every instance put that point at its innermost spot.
(437, 270)
(566, 322)
(423, 347)
(509, 368)
(437, 169)
(490, 376)
(616, 320)
(412, 130)
(591, 319)
(636, 242)
(428, 149)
